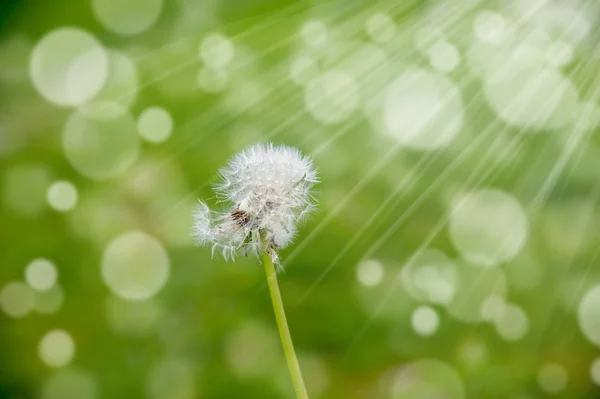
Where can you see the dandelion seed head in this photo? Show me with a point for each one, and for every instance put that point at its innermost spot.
(266, 192)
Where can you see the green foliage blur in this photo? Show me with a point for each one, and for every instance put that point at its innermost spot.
(361, 327)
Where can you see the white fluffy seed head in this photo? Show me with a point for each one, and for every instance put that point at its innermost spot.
(266, 190)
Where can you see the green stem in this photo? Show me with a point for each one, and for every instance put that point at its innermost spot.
(284, 331)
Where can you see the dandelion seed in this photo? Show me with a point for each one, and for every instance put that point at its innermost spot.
(266, 191)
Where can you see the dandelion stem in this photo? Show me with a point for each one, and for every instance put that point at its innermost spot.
(284, 331)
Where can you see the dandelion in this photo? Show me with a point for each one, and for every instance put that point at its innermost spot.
(267, 193)
(265, 190)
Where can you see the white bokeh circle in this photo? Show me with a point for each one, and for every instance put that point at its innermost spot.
(98, 147)
(443, 56)
(485, 59)
(212, 80)
(595, 371)
(68, 66)
(380, 27)
(135, 266)
(133, 318)
(217, 51)
(56, 348)
(62, 195)
(303, 68)
(512, 324)
(559, 54)
(567, 20)
(17, 299)
(369, 272)
(24, 187)
(552, 378)
(493, 308)
(588, 314)
(492, 27)
(331, 97)
(314, 33)
(172, 378)
(425, 321)
(49, 301)
(120, 90)
(423, 110)
(249, 350)
(129, 17)
(488, 226)
(475, 286)
(69, 383)
(155, 124)
(430, 276)
(587, 116)
(426, 378)
(530, 96)
(41, 274)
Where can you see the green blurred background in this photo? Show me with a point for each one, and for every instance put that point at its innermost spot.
(456, 250)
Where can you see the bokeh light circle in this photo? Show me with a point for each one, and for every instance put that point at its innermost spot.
(588, 314)
(426, 35)
(134, 318)
(595, 371)
(62, 195)
(552, 378)
(68, 66)
(56, 348)
(41, 274)
(369, 272)
(430, 276)
(120, 90)
(475, 285)
(487, 226)
(250, 351)
(49, 301)
(493, 308)
(425, 321)
(135, 266)
(315, 370)
(422, 110)
(386, 300)
(70, 384)
(155, 124)
(587, 116)
(217, 51)
(512, 324)
(24, 188)
(100, 148)
(567, 20)
(531, 97)
(129, 17)
(485, 59)
(15, 50)
(303, 68)
(473, 353)
(559, 54)
(380, 27)
(491, 27)
(173, 379)
(16, 299)
(443, 56)
(212, 80)
(314, 33)
(331, 97)
(371, 69)
(427, 378)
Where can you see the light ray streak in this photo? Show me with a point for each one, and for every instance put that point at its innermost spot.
(437, 229)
